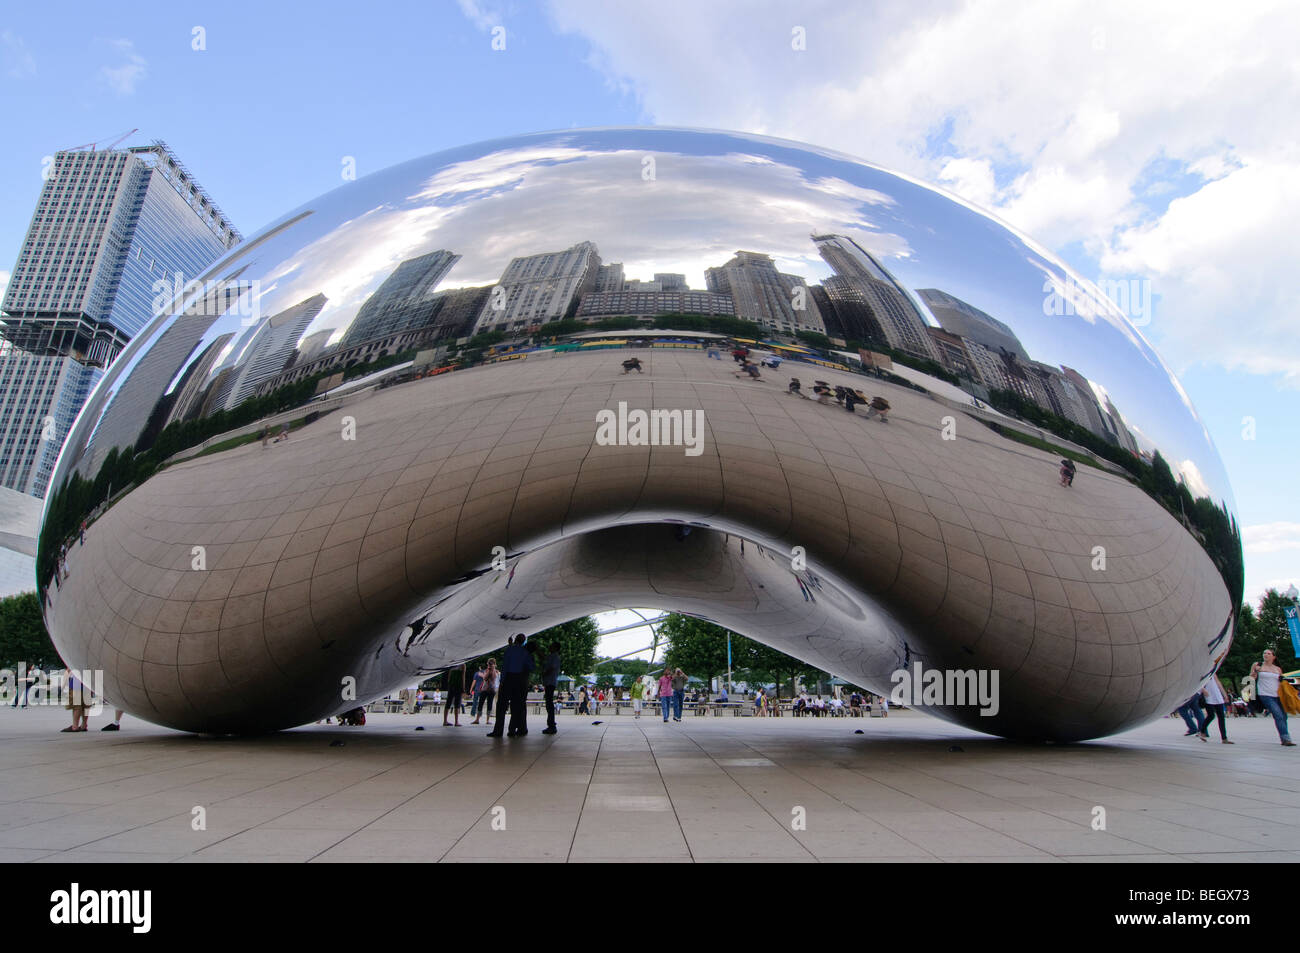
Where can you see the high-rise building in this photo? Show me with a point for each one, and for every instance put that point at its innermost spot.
(865, 281)
(272, 347)
(958, 317)
(540, 288)
(134, 414)
(312, 345)
(609, 278)
(641, 303)
(403, 301)
(193, 384)
(670, 281)
(764, 295)
(111, 228)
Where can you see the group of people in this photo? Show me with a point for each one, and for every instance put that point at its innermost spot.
(847, 397)
(1212, 701)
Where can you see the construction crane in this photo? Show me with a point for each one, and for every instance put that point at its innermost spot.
(92, 145)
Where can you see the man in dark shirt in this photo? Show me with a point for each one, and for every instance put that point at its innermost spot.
(550, 675)
(515, 666)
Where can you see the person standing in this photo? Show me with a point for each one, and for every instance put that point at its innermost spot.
(476, 694)
(1216, 700)
(550, 676)
(78, 701)
(453, 680)
(1267, 678)
(638, 693)
(679, 693)
(512, 669)
(666, 692)
(515, 668)
(491, 677)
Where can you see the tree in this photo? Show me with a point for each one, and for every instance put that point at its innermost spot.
(1246, 649)
(23, 637)
(700, 648)
(775, 665)
(1273, 632)
(577, 640)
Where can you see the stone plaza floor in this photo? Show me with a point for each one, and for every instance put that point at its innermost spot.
(708, 789)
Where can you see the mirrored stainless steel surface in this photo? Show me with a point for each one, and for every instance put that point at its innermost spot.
(404, 422)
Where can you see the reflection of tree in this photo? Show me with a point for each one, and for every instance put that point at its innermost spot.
(673, 321)
(1212, 525)
(22, 633)
(77, 497)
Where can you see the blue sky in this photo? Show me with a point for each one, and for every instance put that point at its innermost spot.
(1128, 149)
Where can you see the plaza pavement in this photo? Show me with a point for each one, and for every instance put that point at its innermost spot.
(708, 789)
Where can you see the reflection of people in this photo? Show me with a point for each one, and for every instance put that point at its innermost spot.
(1067, 472)
(878, 406)
(1267, 679)
(632, 364)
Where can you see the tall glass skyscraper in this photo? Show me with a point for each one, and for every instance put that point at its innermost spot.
(111, 228)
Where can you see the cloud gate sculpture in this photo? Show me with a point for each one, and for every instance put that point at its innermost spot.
(493, 389)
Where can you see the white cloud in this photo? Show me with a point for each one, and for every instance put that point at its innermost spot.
(1051, 115)
(123, 77)
(1271, 537)
(479, 14)
(19, 62)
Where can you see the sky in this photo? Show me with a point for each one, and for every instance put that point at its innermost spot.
(1150, 143)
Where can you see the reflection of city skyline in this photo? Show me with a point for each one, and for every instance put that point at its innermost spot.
(860, 301)
(493, 208)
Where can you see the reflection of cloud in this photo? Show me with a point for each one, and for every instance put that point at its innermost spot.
(122, 79)
(720, 204)
(1270, 537)
(1192, 477)
(503, 205)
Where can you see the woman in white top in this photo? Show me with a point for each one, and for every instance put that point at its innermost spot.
(1216, 700)
(1267, 677)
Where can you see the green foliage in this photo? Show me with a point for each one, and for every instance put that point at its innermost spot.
(629, 667)
(23, 637)
(1258, 629)
(699, 648)
(814, 339)
(577, 645)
